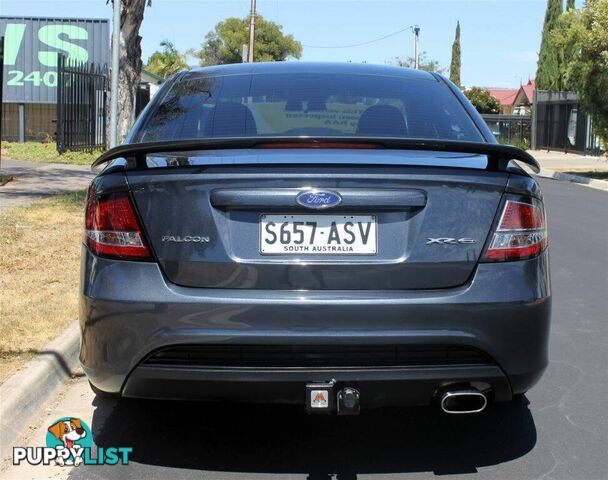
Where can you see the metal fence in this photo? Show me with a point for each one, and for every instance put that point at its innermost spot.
(510, 129)
(81, 106)
(560, 124)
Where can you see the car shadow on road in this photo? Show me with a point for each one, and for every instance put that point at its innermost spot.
(283, 439)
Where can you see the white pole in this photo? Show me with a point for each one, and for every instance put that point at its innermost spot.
(115, 69)
(416, 47)
(251, 33)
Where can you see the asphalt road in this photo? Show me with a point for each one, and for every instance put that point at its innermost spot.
(559, 430)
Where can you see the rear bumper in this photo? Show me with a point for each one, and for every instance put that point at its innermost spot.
(128, 310)
(378, 387)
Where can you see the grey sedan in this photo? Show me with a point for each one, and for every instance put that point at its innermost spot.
(335, 235)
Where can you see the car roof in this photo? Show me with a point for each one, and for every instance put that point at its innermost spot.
(311, 67)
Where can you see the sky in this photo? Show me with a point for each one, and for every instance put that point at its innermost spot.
(499, 38)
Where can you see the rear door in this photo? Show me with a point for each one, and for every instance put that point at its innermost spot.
(398, 225)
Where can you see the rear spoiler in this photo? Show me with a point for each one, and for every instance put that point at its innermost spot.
(499, 155)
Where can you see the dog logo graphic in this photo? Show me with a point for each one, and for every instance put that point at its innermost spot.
(72, 434)
(69, 441)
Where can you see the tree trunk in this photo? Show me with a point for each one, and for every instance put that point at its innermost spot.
(131, 17)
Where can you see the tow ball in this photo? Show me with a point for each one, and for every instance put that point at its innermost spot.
(323, 398)
(348, 401)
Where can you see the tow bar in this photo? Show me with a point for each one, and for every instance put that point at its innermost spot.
(322, 398)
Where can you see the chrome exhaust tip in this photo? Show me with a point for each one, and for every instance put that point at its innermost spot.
(463, 402)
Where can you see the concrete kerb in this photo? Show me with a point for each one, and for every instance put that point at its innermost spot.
(26, 392)
(568, 177)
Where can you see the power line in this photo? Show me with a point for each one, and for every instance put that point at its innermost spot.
(362, 43)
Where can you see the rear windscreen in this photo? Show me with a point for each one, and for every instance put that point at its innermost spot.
(296, 104)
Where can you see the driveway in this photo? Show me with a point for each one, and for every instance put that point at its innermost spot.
(559, 430)
(39, 180)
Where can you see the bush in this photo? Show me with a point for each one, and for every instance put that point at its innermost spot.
(482, 100)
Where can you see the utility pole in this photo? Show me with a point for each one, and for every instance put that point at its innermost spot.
(251, 32)
(416, 47)
(115, 70)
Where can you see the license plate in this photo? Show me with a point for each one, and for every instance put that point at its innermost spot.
(318, 235)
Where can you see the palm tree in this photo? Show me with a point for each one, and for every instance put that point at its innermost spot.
(167, 61)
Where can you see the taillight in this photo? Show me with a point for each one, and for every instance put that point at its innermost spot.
(112, 228)
(521, 233)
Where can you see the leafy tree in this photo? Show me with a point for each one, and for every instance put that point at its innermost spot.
(225, 43)
(571, 5)
(423, 63)
(567, 39)
(582, 39)
(482, 100)
(166, 62)
(548, 72)
(455, 64)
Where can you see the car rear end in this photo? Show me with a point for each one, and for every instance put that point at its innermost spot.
(307, 251)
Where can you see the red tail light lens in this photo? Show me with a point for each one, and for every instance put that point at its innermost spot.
(521, 233)
(112, 228)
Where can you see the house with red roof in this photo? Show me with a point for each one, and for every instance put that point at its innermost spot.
(515, 100)
(505, 96)
(524, 100)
